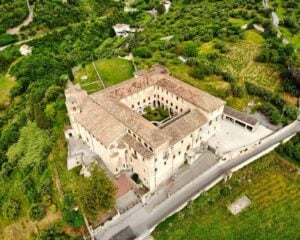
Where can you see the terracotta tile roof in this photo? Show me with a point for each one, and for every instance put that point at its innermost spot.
(241, 116)
(185, 125)
(107, 118)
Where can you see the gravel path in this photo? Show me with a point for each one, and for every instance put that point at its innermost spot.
(29, 19)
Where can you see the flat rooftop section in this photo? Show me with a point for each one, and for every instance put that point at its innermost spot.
(240, 116)
(123, 184)
(231, 136)
(239, 205)
(125, 234)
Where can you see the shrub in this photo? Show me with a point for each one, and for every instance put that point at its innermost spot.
(190, 50)
(53, 208)
(46, 200)
(72, 217)
(55, 232)
(225, 191)
(6, 39)
(142, 52)
(219, 45)
(36, 211)
(11, 209)
(212, 56)
(160, 9)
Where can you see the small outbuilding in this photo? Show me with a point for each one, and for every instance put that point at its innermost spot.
(167, 4)
(239, 205)
(244, 120)
(122, 30)
(25, 50)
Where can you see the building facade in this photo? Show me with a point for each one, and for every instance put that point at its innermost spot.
(111, 123)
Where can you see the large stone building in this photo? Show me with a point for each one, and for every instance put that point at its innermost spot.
(111, 123)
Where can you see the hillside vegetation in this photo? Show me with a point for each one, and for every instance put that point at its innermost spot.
(38, 195)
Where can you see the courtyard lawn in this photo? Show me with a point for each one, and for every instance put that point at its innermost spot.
(6, 83)
(112, 71)
(156, 114)
(273, 186)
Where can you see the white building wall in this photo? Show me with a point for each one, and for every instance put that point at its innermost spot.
(156, 170)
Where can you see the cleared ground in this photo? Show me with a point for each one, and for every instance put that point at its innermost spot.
(273, 186)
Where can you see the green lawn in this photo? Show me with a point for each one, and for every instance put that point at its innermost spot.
(207, 48)
(238, 21)
(253, 36)
(273, 186)
(115, 70)
(6, 83)
(112, 71)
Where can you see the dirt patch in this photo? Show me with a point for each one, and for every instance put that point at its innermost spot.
(24, 228)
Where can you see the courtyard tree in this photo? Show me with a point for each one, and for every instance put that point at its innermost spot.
(95, 195)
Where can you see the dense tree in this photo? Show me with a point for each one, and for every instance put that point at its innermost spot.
(142, 52)
(291, 149)
(191, 50)
(32, 147)
(160, 9)
(95, 194)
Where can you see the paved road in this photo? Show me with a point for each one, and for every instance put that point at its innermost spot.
(141, 220)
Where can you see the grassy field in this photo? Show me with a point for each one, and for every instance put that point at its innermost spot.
(211, 84)
(112, 71)
(253, 36)
(6, 83)
(239, 21)
(273, 186)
